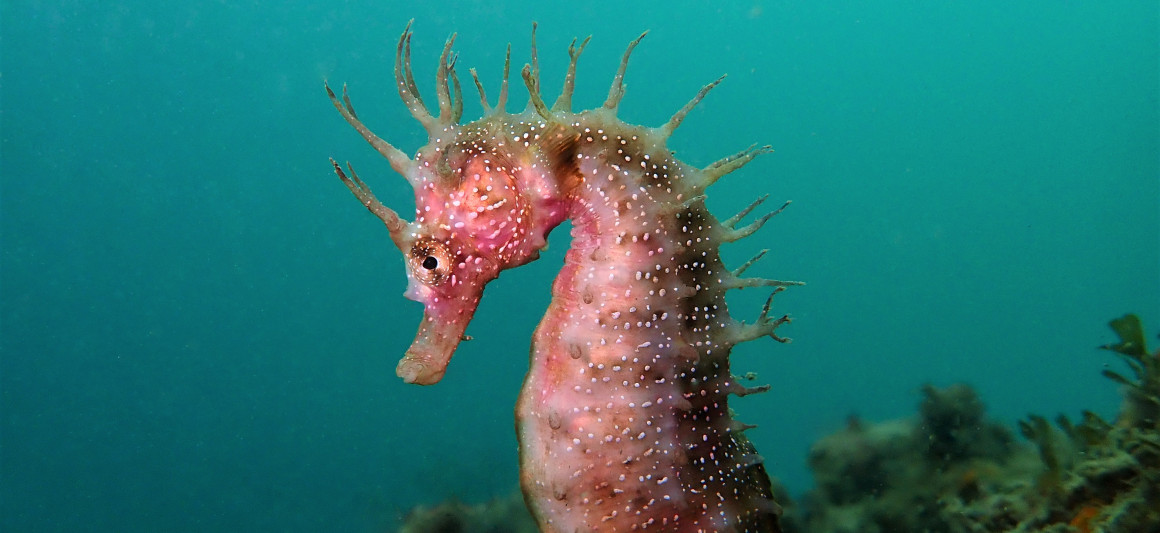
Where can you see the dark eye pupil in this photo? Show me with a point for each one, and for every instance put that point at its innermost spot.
(430, 263)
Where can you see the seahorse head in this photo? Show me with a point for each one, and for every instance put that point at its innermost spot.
(475, 216)
(484, 202)
(486, 195)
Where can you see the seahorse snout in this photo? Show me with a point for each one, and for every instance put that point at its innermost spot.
(413, 371)
(439, 334)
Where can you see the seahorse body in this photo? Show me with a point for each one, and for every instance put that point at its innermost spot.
(623, 419)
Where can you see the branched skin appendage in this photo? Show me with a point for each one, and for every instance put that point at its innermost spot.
(623, 420)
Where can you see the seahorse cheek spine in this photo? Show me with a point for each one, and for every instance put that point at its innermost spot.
(623, 419)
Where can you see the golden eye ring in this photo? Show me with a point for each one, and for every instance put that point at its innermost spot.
(430, 261)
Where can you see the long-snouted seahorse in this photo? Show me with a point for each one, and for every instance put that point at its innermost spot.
(623, 420)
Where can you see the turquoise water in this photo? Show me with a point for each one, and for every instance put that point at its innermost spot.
(200, 325)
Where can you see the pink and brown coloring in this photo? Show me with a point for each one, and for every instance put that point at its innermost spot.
(623, 420)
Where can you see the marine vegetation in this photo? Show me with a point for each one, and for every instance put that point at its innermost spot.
(953, 471)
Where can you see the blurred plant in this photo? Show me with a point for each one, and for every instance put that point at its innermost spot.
(1036, 430)
(1091, 432)
(1142, 394)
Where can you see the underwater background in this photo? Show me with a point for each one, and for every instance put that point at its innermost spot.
(200, 325)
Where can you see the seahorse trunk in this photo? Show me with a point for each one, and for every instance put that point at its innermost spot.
(624, 420)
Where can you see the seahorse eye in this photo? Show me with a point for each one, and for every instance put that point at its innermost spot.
(430, 260)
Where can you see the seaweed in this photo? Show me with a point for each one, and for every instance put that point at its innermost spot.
(1142, 394)
(1038, 431)
(954, 426)
(500, 515)
(1082, 475)
(1091, 432)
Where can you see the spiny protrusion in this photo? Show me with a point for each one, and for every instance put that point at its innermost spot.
(733, 220)
(764, 326)
(482, 93)
(457, 99)
(399, 160)
(616, 92)
(442, 88)
(564, 102)
(531, 74)
(683, 204)
(678, 117)
(534, 97)
(501, 104)
(395, 225)
(503, 88)
(738, 389)
(748, 230)
(729, 164)
(736, 426)
(690, 202)
(741, 269)
(768, 506)
(745, 283)
(405, 80)
(749, 459)
(411, 86)
(534, 72)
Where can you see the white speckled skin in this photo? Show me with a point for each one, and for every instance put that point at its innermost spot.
(623, 419)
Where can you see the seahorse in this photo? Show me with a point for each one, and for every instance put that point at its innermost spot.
(623, 419)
